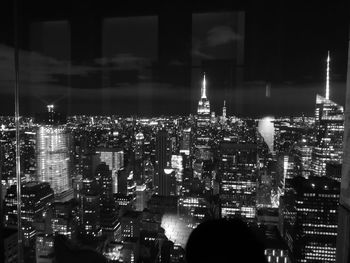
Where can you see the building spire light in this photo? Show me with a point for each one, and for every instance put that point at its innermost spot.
(327, 78)
(204, 88)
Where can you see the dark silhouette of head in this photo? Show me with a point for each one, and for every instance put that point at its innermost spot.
(224, 241)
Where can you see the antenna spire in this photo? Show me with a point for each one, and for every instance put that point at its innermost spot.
(204, 91)
(327, 79)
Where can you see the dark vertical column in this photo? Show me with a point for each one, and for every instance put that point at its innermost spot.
(1, 212)
(175, 34)
(1, 199)
(343, 237)
(86, 47)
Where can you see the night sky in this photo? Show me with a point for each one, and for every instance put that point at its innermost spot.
(92, 57)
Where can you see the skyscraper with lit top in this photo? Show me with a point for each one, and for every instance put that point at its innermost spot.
(329, 120)
(52, 148)
(203, 110)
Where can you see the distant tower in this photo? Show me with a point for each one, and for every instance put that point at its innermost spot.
(139, 139)
(203, 110)
(224, 110)
(52, 151)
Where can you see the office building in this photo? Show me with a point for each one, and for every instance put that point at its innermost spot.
(162, 159)
(185, 146)
(90, 223)
(64, 220)
(44, 250)
(238, 173)
(36, 198)
(329, 121)
(52, 149)
(310, 217)
(139, 140)
(108, 208)
(141, 197)
(114, 158)
(130, 224)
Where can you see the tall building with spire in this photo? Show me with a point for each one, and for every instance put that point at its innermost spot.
(203, 110)
(329, 121)
(224, 110)
(223, 117)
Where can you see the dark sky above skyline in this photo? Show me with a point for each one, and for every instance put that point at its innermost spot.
(91, 58)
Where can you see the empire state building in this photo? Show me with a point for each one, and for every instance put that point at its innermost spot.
(203, 110)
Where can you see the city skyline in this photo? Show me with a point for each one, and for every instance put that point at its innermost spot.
(115, 75)
(154, 132)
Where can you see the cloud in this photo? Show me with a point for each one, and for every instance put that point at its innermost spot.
(36, 68)
(197, 49)
(200, 54)
(216, 36)
(221, 35)
(123, 61)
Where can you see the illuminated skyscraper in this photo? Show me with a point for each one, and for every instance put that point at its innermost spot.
(203, 110)
(36, 197)
(329, 120)
(108, 209)
(223, 118)
(52, 147)
(114, 158)
(303, 157)
(238, 172)
(186, 141)
(162, 159)
(90, 223)
(63, 221)
(141, 197)
(224, 110)
(310, 215)
(139, 139)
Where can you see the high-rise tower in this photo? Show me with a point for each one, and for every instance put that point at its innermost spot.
(224, 110)
(162, 159)
(52, 151)
(203, 110)
(329, 120)
(310, 214)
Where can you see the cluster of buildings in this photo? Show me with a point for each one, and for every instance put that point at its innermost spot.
(132, 189)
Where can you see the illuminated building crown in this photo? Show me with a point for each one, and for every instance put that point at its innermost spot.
(203, 103)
